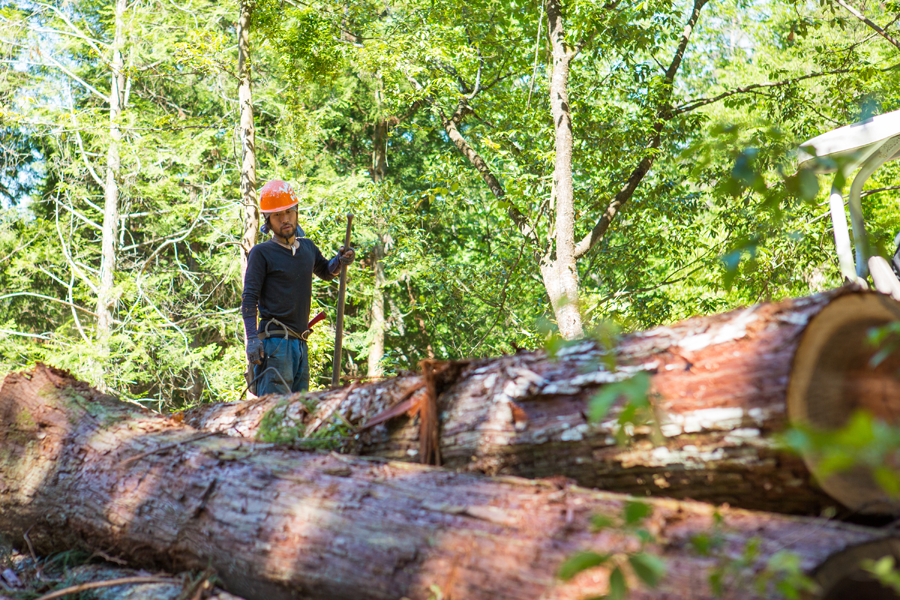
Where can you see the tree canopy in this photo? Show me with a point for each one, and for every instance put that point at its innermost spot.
(517, 169)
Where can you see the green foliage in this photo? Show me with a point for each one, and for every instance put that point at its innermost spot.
(646, 568)
(786, 576)
(631, 397)
(864, 442)
(886, 339)
(581, 562)
(885, 571)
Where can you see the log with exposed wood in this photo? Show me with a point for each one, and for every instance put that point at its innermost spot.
(81, 470)
(719, 386)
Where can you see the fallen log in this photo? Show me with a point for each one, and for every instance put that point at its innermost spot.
(718, 384)
(81, 470)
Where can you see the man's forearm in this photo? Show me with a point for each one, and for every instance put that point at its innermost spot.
(248, 314)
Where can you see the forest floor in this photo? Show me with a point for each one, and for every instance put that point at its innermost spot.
(76, 575)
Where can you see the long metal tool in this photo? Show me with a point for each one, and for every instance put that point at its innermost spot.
(339, 324)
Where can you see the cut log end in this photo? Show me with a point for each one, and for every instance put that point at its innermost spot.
(842, 575)
(833, 377)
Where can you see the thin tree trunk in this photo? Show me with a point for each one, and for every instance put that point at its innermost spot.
(719, 386)
(81, 470)
(558, 267)
(105, 293)
(248, 136)
(377, 325)
(248, 150)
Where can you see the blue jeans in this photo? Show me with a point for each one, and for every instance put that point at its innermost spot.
(285, 367)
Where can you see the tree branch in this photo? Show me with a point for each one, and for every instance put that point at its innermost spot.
(84, 157)
(695, 104)
(43, 297)
(78, 79)
(664, 112)
(77, 32)
(868, 22)
(451, 126)
(477, 87)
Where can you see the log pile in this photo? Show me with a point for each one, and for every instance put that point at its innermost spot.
(719, 386)
(80, 470)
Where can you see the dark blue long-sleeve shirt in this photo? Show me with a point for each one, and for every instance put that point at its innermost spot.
(278, 283)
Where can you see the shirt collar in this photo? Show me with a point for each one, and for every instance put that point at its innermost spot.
(293, 247)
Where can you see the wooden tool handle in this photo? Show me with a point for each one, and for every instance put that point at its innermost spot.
(339, 323)
(349, 226)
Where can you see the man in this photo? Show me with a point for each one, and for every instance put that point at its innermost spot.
(279, 283)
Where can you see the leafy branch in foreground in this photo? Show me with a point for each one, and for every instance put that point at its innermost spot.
(626, 568)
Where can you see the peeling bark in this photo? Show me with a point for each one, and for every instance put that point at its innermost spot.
(105, 291)
(558, 268)
(81, 470)
(718, 385)
(248, 136)
(377, 324)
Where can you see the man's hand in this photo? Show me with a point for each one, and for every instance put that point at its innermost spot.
(346, 255)
(255, 352)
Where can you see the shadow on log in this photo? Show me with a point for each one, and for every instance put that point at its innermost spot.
(81, 470)
(719, 388)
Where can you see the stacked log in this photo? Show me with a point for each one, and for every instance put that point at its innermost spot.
(719, 388)
(82, 470)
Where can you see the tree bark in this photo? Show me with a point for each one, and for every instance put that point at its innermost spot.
(248, 136)
(718, 388)
(81, 470)
(558, 267)
(105, 292)
(377, 324)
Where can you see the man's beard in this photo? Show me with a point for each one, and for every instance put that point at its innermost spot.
(287, 232)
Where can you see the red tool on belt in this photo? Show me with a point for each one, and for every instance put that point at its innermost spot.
(316, 319)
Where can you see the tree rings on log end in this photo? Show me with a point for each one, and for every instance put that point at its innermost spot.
(832, 378)
(842, 576)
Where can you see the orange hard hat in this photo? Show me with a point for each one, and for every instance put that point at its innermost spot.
(277, 195)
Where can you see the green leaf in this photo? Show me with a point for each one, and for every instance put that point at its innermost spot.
(701, 543)
(645, 536)
(649, 569)
(751, 551)
(716, 581)
(836, 462)
(632, 390)
(858, 432)
(635, 512)
(581, 562)
(618, 588)
(599, 522)
(784, 561)
(803, 185)
(887, 478)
